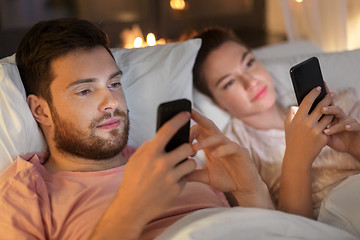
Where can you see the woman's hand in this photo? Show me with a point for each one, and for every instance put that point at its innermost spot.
(229, 167)
(304, 132)
(304, 141)
(343, 132)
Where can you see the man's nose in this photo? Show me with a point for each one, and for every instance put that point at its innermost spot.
(109, 101)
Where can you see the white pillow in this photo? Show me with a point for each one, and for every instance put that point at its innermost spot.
(154, 75)
(19, 132)
(286, 50)
(151, 75)
(340, 70)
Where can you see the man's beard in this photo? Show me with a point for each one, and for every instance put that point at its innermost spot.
(74, 141)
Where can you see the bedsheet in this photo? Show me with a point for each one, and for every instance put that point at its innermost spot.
(249, 223)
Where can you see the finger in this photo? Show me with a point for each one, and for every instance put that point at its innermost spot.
(203, 121)
(185, 168)
(210, 141)
(324, 122)
(198, 175)
(194, 132)
(334, 110)
(355, 126)
(317, 113)
(308, 100)
(181, 153)
(349, 124)
(168, 130)
(226, 150)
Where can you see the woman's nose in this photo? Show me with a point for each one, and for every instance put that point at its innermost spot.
(248, 81)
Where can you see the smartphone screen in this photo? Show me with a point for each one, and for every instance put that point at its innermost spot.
(168, 110)
(305, 76)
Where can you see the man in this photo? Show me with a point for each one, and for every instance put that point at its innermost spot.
(91, 185)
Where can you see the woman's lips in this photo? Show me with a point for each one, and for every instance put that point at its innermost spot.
(260, 94)
(110, 124)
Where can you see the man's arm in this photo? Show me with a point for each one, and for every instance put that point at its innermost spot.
(152, 181)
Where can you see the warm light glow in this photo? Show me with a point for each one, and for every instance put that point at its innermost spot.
(299, 1)
(150, 39)
(177, 4)
(138, 42)
(134, 38)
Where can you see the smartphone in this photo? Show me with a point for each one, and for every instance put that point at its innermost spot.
(166, 111)
(305, 76)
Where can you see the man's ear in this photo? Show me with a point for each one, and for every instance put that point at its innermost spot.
(39, 109)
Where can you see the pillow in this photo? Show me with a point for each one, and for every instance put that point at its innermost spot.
(286, 50)
(151, 76)
(340, 70)
(19, 130)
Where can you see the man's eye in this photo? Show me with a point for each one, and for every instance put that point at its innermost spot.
(114, 85)
(83, 92)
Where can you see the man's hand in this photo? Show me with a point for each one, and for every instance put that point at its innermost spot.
(153, 179)
(229, 167)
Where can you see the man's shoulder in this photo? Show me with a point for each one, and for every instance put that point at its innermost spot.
(24, 171)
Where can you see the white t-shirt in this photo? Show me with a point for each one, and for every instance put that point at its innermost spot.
(267, 148)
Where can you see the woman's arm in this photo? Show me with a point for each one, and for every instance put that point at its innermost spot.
(304, 141)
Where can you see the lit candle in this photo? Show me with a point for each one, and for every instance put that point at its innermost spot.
(138, 42)
(150, 39)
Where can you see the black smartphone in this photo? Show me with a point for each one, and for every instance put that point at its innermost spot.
(166, 111)
(305, 76)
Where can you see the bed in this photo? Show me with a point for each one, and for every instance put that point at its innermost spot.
(161, 73)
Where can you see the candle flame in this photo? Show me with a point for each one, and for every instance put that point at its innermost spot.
(150, 39)
(138, 42)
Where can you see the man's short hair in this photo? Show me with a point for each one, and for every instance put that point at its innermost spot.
(49, 40)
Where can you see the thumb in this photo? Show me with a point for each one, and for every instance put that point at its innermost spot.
(198, 175)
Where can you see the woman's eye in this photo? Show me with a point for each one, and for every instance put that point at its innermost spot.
(250, 62)
(228, 84)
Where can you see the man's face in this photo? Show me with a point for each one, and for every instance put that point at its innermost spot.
(88, 109)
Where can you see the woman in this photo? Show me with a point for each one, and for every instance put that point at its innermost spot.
(227, 72)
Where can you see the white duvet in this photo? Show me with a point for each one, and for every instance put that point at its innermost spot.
(249, 223)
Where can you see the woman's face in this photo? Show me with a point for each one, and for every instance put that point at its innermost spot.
(239, 83)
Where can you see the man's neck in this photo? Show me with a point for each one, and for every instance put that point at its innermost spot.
(58, 161)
